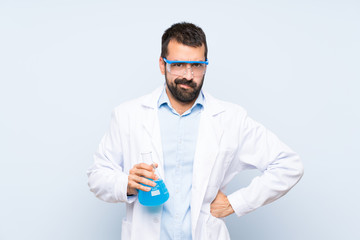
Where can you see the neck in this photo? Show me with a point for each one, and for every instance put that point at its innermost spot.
(179, 107)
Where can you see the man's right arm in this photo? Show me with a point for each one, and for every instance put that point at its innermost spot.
(107, 178)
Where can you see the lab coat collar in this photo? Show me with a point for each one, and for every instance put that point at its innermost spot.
(151, 101)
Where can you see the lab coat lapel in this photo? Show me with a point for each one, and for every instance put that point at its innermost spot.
(151, 126)
(207, 148)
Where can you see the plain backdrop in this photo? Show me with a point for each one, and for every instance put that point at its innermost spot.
(64, 65)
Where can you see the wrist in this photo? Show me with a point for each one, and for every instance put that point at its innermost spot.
(130, 191)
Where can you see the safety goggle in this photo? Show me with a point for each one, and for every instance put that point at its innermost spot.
(179, 68)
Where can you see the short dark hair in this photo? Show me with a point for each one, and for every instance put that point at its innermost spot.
(185, 33)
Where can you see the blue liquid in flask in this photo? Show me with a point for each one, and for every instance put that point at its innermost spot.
(158, 194)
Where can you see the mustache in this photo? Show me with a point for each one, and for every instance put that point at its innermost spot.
(184, 81)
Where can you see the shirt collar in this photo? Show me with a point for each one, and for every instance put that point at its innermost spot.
(164, 100)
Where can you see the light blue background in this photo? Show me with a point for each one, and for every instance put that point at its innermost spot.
(64, 65)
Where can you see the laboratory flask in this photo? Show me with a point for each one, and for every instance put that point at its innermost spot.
(158, 194)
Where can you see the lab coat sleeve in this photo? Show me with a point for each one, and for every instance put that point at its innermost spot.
(281, 167)
(106, 177)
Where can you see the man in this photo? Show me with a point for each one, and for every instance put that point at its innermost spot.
(199, 144)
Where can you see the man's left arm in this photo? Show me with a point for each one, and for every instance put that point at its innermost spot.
(281, 169)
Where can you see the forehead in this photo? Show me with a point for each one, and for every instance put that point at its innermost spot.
(181, 52)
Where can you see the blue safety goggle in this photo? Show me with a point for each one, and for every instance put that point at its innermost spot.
(201, 62)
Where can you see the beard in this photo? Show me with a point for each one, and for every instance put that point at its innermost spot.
(184, 95)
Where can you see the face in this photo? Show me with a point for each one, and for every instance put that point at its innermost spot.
(184, 89)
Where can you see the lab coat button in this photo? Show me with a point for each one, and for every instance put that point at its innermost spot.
(156, 220)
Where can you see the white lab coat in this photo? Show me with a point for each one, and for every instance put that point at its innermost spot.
(228, 143)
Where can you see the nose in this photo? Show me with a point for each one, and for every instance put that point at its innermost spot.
(188, 73)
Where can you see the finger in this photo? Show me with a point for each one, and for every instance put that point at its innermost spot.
(147, 182)
(143, 173)
(139, 186)
(139, 171)
(147, 174)
(218, 212)
(138, 179)
(221, 210)
(134, 184)
(215, 213)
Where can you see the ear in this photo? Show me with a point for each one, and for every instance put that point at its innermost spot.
(162, 66)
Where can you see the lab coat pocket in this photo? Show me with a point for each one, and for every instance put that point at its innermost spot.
(216, 229)
(126, 230)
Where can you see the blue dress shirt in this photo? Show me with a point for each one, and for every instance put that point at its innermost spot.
(178, 134)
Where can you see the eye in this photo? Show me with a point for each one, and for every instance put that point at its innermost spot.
(196, 65)
(177, 65)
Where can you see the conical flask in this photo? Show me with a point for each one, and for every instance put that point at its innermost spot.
(158, 194)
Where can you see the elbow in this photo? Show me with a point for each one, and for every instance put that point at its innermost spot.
(295, 166)
(296, 172)
(298, 168)
(290, 172)
(301, 170)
